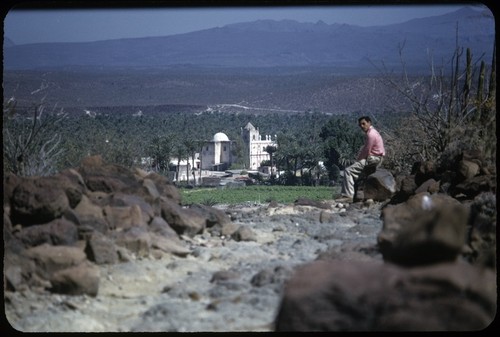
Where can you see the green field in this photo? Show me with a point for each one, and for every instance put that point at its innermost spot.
(256, 194)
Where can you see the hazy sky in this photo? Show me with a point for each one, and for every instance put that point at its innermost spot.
(77, 25)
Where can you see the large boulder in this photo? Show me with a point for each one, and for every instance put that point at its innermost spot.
(405, 188)
(57, 232)
(424, 171)
(73, 185)
(37, 200)
(164, 187)
(132, 200)
(91, 216)
(474, 186)
(99, 176)
(100, 249)
(50, 259)
(20, 272)
(359, 296)
(82, 279)
(182, 220)
(468, 169)
(378, 186)
(481, 248)
(60, 269)
(169, 245)
(425, 229)
(123, 217)
(431, 186)
(214, 216)
(135, 239)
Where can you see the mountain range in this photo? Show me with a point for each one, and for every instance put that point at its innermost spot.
(269, 43)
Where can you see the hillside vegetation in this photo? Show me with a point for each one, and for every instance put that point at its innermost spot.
(125, 91)
(52, 126)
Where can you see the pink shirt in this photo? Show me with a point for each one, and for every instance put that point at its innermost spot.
(374, 145)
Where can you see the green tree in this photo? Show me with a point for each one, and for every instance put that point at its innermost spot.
(192, 146)
(159, 151)
(271, 149)
(180, 152)
(341, 143)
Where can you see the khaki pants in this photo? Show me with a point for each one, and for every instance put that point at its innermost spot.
(352, 172)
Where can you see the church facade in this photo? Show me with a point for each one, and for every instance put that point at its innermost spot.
(256, 146)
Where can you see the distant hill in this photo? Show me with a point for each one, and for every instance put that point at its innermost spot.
(268, 43)
(8, 43)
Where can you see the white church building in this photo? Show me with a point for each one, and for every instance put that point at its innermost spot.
(256, 145)
(217, 154)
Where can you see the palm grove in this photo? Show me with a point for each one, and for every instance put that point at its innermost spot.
(450, 109)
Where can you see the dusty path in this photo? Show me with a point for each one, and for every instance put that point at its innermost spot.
(223, 285)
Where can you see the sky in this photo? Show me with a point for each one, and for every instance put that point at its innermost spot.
(84, 25)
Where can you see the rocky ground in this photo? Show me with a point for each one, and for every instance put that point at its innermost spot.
(106, 248)
(224, 283)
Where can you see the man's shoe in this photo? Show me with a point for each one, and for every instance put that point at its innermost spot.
(345, 199)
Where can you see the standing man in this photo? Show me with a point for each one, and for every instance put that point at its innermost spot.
(371, 153)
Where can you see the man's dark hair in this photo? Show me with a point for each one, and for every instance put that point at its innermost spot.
(366, 118)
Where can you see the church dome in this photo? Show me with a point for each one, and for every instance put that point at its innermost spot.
(220, 137)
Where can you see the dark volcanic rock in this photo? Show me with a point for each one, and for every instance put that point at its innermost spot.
(57, 232)
(360, 296)
(37, 200)
(426, 229)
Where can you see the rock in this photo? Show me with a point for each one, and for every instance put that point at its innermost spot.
(431, 186)
(7, 224)
(424, 171)
(73, 185)
(99, 198)
(408, 185)
(224, 275)
(57, 232)
(100, 249)
(474, 186)
(37, 201)
(378, 186)
(123, 217)
(136, 240)
(99, 176)
(214, 216)
(10, 182)
(358, 296)
(82, 279)
(151, 189)
(50, 259)
(468, 169)
(426, 229)
(277, 275)
(244, 233)
(159, 226)
(482, 238)
(19, 271)
(182, 220)
(92, 161)
(121, 199)
(309, 202)
(165, 187)
(169, 245)
(91, 215)
(228, 229)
